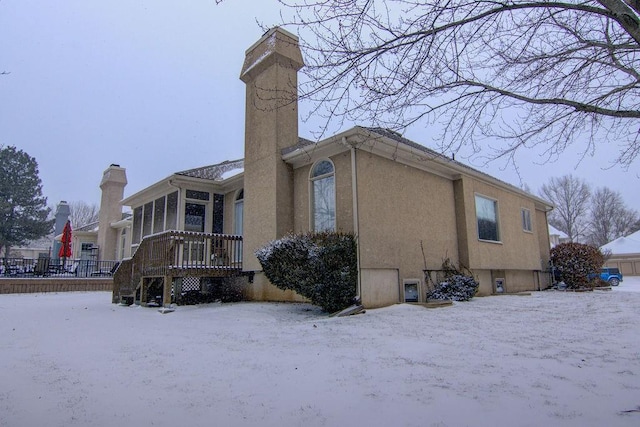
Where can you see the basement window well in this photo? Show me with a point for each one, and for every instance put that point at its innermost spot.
(411, 291)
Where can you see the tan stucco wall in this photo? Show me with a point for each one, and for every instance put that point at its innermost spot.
(485, 280)
(262, 290)
(520, 280)
(379, 287)
(517, 249)
(399, 208)
(514, 280)
(520, 257)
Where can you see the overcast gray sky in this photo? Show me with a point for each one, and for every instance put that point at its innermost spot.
(153, 85)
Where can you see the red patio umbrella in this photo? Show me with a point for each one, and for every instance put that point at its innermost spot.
(65, 247)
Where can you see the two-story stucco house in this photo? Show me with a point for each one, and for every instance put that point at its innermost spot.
(409, 206)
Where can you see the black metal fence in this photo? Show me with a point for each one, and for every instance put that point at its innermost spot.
(49, 267)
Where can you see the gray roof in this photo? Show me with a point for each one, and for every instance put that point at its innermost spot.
(92, 226)
(213, 172)
(399, 138)
(396, 136)
(302, 142)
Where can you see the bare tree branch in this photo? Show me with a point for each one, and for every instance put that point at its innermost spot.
(609, 217)
(517, 73)
(571, 197)
(83, 213)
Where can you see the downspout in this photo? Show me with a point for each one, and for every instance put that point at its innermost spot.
(356, 225)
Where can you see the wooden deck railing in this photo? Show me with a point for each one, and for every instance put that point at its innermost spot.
(178, 254)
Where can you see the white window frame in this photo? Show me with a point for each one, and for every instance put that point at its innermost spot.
(497, 218)
(527, 225)
(312, 203)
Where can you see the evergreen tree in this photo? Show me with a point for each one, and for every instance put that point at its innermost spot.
(23, 208)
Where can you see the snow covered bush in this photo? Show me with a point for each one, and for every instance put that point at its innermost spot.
(319, 266)
(577, 264)
(455, 285)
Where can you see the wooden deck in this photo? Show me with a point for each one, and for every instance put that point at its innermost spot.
(174, 254)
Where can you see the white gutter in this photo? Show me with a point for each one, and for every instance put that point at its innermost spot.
(356, 222)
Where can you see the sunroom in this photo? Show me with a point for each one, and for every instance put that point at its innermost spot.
(187, 229)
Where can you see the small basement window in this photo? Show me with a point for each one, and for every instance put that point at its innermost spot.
(411, 290)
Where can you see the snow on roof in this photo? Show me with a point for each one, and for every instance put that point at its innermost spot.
(624, 245)
(92, 226)
(555, 231)
(231, 173)
(215, 172)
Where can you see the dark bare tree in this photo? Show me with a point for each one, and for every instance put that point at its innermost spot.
(515, 73)
(83, 213)
(609, 217)
(571, 197)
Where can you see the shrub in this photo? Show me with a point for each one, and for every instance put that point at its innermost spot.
(319, 266)
(455, 286)
(577, 264)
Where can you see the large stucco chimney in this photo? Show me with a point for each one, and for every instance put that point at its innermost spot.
(112, 185)
(271, 124)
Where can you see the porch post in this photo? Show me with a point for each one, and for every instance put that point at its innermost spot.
(143, 292)
(166, 293)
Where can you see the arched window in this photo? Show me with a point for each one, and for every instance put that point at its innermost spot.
(323, 196)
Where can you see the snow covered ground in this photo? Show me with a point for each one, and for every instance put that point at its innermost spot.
(548, 359)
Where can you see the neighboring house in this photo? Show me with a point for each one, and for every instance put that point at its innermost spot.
(109, 238)
(625, 254)
(556, 236)
(410, 207)
(40, 248)
(84, 241)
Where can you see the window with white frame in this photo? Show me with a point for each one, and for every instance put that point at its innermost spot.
(123, 244)
(526, 220)
(323, 196)
(487, 217)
